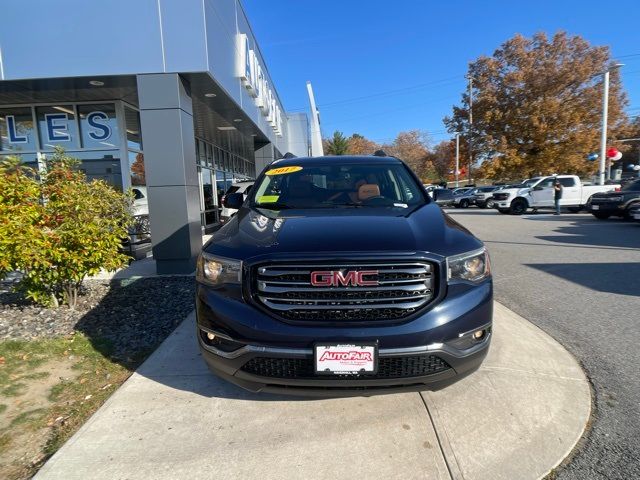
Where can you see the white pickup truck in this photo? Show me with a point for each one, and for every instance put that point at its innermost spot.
(537, 193)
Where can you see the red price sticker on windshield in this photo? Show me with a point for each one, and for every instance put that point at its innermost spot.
(283, 170)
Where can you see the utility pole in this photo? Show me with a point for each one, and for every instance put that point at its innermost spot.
(457, 171)
(316, 134)
(603, 137)
(470, 126)
(605, 115)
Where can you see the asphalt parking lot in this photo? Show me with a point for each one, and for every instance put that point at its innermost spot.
(578, 279)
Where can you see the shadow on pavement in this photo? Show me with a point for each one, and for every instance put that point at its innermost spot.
(589, 231)
(618, 278)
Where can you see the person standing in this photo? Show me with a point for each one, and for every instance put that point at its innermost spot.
(557, 195)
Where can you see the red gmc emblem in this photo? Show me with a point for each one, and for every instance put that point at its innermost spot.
(336, 278)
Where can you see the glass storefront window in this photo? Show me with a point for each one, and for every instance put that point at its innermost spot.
(57, 127)
(210, 155)
(209, 197)
(202, 159)
(96, 165)
(218, 157)
(98, 126)
(132, 122)
(136, 168)
(17, 133)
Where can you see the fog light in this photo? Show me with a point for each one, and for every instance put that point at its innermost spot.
(210, 336)
(478, 334)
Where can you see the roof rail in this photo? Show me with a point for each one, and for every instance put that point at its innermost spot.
(289, 155)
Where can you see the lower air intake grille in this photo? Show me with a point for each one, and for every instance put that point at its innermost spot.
(388, 367)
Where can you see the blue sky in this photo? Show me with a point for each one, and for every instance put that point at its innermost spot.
(379, 67)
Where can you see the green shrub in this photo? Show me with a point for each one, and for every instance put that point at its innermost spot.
(57, 228)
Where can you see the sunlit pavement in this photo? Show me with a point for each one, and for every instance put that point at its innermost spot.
(517, 417)
(578, 278)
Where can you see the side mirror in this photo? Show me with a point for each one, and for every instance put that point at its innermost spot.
(233, 200)
(538, 188)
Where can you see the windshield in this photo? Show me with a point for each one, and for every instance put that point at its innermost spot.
(632, 187)
(333, 186)
(531, 182)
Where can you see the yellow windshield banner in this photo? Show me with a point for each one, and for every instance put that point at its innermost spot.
(268, 199)
(283, 170)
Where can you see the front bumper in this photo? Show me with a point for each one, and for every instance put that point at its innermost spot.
(612, 208)
(259, 336)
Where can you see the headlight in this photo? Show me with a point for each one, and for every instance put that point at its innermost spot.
(218, 270)
(471, 266)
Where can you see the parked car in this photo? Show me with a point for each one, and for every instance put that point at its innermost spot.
(138, 244)
(332, 280)
(617, 203)
(538, 193)
(140, 200)
(240, 187)
(464, 198)
(443, 196)
(484, 196)
(461, 190)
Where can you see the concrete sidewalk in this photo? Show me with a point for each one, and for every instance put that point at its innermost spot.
(517, 417)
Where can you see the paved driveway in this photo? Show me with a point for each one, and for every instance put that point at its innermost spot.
(578, 278)
(517, 417)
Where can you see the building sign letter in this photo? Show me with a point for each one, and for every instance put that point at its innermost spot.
(100, 130)
(13, 132)
(57, 132)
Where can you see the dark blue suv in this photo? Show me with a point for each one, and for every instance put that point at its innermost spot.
(340, 276)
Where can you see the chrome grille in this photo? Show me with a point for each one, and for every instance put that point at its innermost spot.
(402, 289)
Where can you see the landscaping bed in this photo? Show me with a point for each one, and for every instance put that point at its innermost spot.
(57, 366)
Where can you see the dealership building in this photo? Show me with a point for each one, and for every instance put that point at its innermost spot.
(170, 97)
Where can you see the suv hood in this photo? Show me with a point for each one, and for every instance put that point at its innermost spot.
(515, 191)
(253, 231)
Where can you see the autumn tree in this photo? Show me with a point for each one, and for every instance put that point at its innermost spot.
(443, 159)
(413, 148)
(359, 145)
(537, 106)
(138, 175)
(336, 145)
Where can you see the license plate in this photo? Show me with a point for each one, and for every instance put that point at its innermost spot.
(595, 207)
(345, 359)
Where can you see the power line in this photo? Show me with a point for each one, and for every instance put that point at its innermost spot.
(397, 91)
(360, 117)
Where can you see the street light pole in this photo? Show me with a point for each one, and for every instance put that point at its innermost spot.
(603, 138)
(457, 171)
(470, 124)
(605, 119)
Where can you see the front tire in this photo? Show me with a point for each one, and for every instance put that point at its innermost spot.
(464, 203)
(489, 204)
(518, 206)
(600, 215)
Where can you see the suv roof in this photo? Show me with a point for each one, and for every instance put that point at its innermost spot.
(313, 161)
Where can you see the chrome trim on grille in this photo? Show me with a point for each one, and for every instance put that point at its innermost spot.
(335, 306)
(403, 287)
